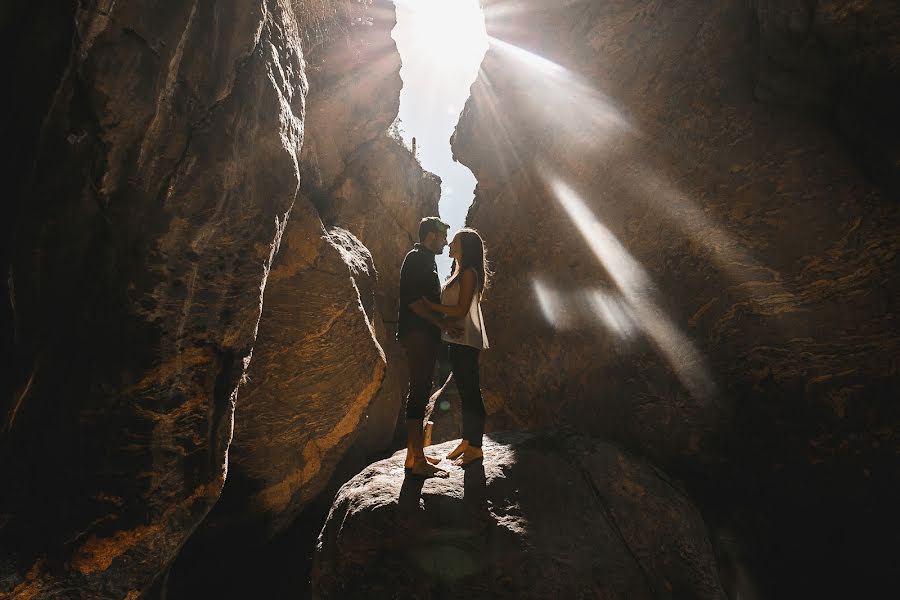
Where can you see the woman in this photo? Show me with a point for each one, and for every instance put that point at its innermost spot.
(461, 302)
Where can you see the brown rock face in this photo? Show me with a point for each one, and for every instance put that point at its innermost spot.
(546, 516)
(316, 370)
(315, 387)
(165, 171)
(381, 196)
(707, 277)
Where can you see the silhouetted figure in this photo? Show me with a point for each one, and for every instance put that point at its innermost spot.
(419, 332)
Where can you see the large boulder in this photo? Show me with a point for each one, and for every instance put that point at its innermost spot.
(164, 174)
(316, 369)
(692, 218)
(545, 516)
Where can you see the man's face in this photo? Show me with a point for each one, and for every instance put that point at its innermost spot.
(435, 241)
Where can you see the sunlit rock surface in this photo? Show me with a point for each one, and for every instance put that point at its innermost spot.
(546, 516)
(327, 378)
(163, 175)
(695, 233)
(316, 369)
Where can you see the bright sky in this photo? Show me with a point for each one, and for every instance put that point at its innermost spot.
(441, 44)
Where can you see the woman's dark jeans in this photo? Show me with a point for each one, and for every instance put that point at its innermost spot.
(464, 363)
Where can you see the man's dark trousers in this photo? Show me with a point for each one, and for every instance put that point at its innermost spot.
(421, 355)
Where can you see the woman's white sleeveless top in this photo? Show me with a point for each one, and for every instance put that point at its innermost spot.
(473, 333)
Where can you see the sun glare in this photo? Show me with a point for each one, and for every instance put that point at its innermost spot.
(441, 44)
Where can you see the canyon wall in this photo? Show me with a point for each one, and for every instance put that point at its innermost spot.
(168, 257)
(327, 374)
(691, 212)
(164, 173)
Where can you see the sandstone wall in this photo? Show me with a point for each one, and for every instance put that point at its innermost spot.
(694, 256)
(164, 174)
(326, 375)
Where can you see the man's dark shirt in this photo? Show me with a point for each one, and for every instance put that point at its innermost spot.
(418, 279)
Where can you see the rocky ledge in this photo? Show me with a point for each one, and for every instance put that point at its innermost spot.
(546, 516)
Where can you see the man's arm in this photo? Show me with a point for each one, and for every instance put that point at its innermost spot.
(423, 311)
(446, 325)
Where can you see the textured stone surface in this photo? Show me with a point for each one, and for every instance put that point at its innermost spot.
(706, 276)
(381, 196)
(839, 57)
(165, 170)
(546, 516)
(316, 386)
(316, 369)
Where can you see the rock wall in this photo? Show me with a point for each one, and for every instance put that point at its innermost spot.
(316, 369)
(166, 167)
(697, 255)
(327, 378)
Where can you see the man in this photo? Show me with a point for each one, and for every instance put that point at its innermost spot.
(419, 332)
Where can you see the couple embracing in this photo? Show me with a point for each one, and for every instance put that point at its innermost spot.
(431, 314)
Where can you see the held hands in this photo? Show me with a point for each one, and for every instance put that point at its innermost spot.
(450, 327)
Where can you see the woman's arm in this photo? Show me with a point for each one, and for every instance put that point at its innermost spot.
(466, 293)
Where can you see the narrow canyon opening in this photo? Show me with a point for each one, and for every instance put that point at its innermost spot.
(441, 45)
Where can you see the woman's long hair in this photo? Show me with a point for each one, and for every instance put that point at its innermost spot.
(474, 256)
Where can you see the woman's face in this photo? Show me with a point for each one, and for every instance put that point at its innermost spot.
(456, 249)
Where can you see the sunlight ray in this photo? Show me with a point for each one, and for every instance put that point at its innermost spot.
(625, 271)
(725, 250)
(503, 147)
(551, 305)
(614, 313)
(637, 291)
(557, 96)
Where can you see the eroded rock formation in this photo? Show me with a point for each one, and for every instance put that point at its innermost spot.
(316, 369)
(546, 516)
(705, 273)
(164, 174)
(316, 386)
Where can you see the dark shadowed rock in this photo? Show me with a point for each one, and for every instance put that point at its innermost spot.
(546, 516)
(164, 174)
(702, 264)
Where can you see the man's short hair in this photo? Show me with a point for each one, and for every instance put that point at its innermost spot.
(429, 224)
